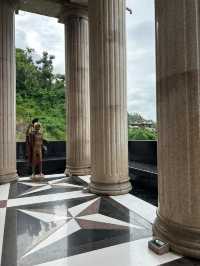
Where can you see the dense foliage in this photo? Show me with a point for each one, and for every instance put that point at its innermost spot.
(40, 93)
(142, 134)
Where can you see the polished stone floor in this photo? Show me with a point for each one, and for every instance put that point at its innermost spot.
(57, 222)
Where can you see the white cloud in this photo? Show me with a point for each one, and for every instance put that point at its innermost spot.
(141, 58)
(46, 34)
(43, 34)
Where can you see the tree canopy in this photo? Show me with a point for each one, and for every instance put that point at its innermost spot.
(39, 93)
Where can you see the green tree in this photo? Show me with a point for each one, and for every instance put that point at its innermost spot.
(40, 93)
(45, 67)
(142, 134)
(27, 83)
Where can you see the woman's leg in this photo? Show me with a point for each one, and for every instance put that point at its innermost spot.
(40, 163)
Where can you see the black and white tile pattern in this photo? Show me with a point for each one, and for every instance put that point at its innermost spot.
(57, 222)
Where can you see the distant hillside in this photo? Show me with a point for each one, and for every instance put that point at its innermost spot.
(141, 128)
(40, 93)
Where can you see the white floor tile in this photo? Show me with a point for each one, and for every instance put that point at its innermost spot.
(46, 198)
(4, 191)
(41, 188)
(144, 209)
(55, 175)
(64, 179)
(31, 184)
(134, 253)
(97, 217)
(85, 178)
(65, 185)
(25, 178)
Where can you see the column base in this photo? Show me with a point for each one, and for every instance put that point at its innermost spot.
(110, 189)
(8, 178)
(182, 239)
(77, 171)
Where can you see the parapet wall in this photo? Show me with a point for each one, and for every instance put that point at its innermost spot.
(140, 151)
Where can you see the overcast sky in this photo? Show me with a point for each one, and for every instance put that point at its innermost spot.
(46, 34)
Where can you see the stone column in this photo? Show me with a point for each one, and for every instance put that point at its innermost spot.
(77, 93)
(178, 107)
(8, 171)
(109, 149)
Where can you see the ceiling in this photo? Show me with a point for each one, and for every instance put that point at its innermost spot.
(52, 8)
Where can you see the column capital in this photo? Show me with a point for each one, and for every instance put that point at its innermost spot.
(73, 11)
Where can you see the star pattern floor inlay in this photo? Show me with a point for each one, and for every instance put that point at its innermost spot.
(54, 221)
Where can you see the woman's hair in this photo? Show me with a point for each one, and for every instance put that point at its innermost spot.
(35, 120)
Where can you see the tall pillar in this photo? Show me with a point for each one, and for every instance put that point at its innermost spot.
(178, 107)
(77, 94)
(109, 149)
(8, 171)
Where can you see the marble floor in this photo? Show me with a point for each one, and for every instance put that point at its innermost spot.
(57, 222)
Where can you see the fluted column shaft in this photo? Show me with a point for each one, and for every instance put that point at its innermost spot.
(109, 149)
(7, 94)
(178, 107)
(77, 94)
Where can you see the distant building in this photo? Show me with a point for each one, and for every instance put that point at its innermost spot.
(145, 124)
